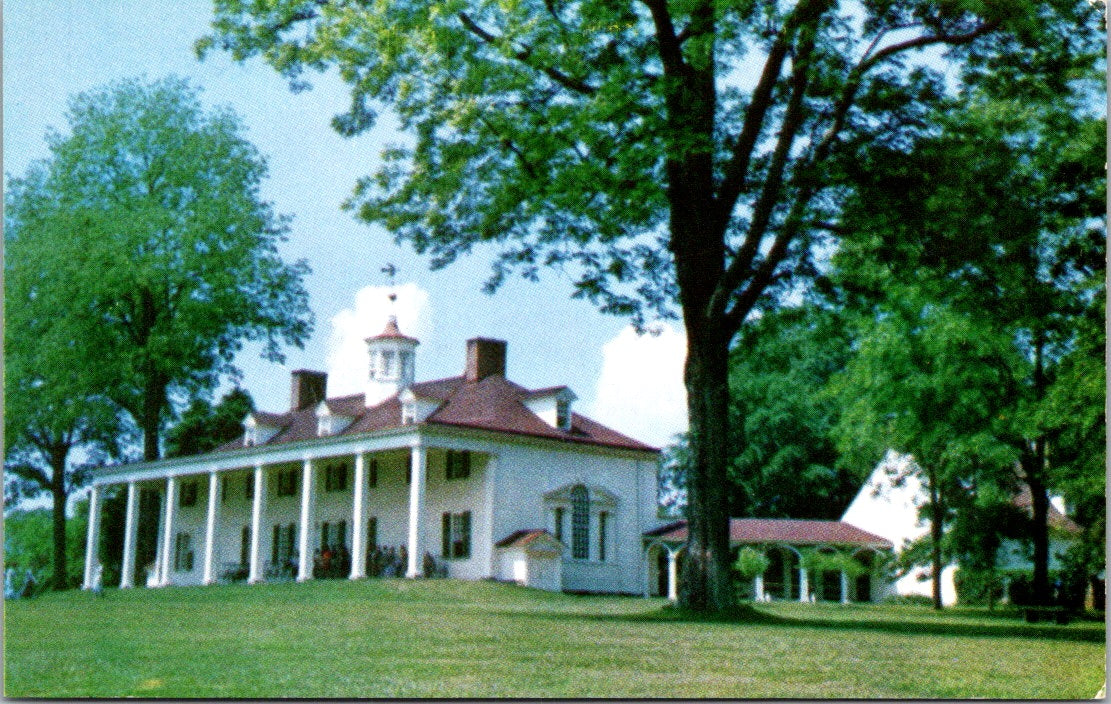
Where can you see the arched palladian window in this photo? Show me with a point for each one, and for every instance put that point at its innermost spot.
(580, 522)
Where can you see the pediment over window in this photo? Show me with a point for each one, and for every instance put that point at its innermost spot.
(329, 423)
(258, 428)
(598, 495)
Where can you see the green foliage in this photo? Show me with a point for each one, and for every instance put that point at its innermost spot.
(785, 462)
(144, 252)
(204, 427)
(612, 141)
(822, 561)
(751, 562)
(28, 537)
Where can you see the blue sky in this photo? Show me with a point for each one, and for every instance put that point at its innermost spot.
(54, 49)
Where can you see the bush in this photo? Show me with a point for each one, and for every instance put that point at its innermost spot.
(909, 600)
(978, 587)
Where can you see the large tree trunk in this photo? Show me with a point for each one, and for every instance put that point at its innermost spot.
(1033, 465)
(937, 527)
(60, 578)
(150, 421)
(706, 582)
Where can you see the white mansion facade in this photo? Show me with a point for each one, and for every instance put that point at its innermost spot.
(470, 477)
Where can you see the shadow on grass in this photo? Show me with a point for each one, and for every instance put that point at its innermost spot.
(749, 615)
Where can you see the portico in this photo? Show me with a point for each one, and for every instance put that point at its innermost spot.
(349, 499)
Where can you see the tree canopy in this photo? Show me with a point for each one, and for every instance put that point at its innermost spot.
(148, 251)
(659, 152)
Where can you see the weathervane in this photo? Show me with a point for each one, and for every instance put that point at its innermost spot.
(391, 273)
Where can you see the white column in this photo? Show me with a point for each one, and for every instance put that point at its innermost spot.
(673, 575)
(844, 587)
(168, 531)
(130, 532)
(804, 585)
(210, 526)
(308, 495)
(92, 540)
(358, 520)
(758, 587)
(416, 507)
(258, 503)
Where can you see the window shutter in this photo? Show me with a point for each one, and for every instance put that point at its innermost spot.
(465, 461)
(373, 473)
(465, 538)
(445, 547)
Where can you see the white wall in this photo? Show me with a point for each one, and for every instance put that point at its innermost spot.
(527, 473)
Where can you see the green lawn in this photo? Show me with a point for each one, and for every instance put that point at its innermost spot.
(394, 638)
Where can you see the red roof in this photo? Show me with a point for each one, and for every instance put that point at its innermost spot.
(521, 538)
(751, 531)
(392, 332)
(1054, 518)
(493, 404)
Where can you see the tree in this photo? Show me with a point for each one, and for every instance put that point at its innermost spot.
(998, 220)
(54, 403)
(152, 254)
(624, 143)
(784, 461)
(28, 545)
(203, 427)
(924, 381)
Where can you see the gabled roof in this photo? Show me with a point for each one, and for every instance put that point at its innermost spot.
(523, 538)
(1054, 518)
(754, 531)
(492, 404)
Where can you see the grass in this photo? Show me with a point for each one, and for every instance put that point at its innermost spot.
(395, 638)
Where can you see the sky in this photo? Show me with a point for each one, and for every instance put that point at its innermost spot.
(54, 49)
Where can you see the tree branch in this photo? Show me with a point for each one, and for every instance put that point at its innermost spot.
(773, 181)
(671, 52)
(736, 171)
(524, 56)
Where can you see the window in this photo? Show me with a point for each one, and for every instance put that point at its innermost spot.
(183, 553)
(335, 477)
(388, 364)
(245, 546)
(333, 534)
(458, 464)
(372, 475)
(559, 511)
(563, 415)
(406, 365)
(456, 535)
(287, 482)
(580, 522)
(371, 533)
(603, 519)
(249, 489)
(188, 495)
(281, 550)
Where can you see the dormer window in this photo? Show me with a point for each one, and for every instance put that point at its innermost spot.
(563, 414)
(553, 406)
(409, 413)
(329, 423)
(256, 432)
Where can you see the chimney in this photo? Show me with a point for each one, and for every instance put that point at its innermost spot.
(307, 388)
(485, 358)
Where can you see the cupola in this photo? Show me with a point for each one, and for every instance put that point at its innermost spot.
(392, 363)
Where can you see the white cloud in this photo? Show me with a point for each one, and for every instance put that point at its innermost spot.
(640, 390)
(346, 353)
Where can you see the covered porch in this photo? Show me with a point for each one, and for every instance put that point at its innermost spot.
(335, 511)
(807, 561)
